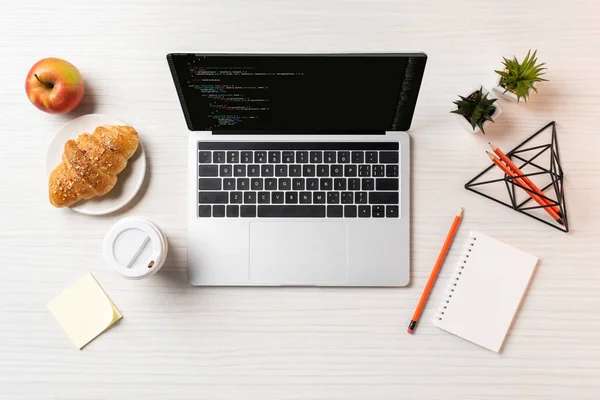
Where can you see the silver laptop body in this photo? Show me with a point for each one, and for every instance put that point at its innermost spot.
(236, 238)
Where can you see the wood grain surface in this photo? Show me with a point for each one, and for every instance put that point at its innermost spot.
(177, 342)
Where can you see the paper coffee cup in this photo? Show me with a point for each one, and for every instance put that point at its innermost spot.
(135, 248)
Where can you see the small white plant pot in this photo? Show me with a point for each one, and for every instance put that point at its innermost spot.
(463, 121)
(499, 91)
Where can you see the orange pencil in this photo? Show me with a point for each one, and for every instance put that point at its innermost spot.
(435, 272)
(520, 181)
(526, 179)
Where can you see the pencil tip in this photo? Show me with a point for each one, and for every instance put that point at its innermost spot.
(490, 155)
(460, 213)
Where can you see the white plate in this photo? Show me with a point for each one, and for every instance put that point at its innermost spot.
(129, 180)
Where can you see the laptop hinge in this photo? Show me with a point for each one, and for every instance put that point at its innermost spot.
(238, 132)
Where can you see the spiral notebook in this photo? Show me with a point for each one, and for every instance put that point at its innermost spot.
(485, 291)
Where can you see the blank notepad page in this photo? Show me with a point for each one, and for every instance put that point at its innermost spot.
(485, 291)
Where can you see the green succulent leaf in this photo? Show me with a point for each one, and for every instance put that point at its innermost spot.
(519, 77)
(475, 108)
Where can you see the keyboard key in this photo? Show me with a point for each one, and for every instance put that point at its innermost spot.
(308, 170)
(354, 184)
(388, 157)
(378, 170)
(225, 170)
(243, 184)
(337, 170)
(350, 170)
(287, 157)
(333, 197)
(298, 184)
(364, 211)
(285, 184)
(371, 157)
(291, 197)
(323, 170)
(302, 157)
(248, 211)
(350, 211)
(204, 211)
(383, 197)
(218, 157)
(319, 197)
(260, 157)
(233, 211)
(266, 170)
(339, 184)
(326, 184)
(239, 170)
(391, 211)
(312, 184)
(213, 197)
(378, 211)
(270, 183)
(249, 197)
(274, 157)
(218, 211)
(329, 157)
(264, 197)
(208, 170)
(209, 184)
(295, 170)
(368, 183)
(291, 211)
(335, 211)
(364, 170)
(358, 157)
(233, 157)
(305, 197)
(277, 197)
(229, 184)
(247, 157)
(316, 157)
(391, 170)
(347, 198)
(204, 157)
(235, 197)
(253, 170)
(343, 157)
(256, 184)
(360, 197)
(281, 170)
(387, 183)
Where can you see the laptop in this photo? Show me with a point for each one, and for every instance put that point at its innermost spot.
(298, 167)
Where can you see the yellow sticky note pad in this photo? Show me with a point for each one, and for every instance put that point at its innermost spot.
(84, 311)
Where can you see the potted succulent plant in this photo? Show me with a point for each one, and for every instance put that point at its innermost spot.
(516, 81)
(476, 110)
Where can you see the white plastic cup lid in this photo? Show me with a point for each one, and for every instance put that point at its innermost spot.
(135, 248)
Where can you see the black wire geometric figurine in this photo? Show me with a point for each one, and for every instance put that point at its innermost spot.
(529, 160)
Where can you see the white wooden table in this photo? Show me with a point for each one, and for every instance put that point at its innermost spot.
(177, 342)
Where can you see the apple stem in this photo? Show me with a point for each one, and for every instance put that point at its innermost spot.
(48, 85)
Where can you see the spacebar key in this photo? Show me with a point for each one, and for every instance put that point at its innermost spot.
(277, 211)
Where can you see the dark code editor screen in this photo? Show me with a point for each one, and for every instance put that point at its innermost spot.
(291, 93)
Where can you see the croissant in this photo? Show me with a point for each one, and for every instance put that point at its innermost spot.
(91, 163)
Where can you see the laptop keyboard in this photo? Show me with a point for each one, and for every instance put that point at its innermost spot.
(298, 180)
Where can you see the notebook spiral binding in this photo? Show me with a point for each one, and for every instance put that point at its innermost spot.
(454, 281)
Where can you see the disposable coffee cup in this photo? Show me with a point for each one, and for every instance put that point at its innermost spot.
(135, 248)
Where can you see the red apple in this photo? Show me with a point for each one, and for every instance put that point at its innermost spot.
(54, 85)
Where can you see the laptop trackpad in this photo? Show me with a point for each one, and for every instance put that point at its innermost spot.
(298, 253)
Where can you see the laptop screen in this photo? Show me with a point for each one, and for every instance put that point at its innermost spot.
(298, 93)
